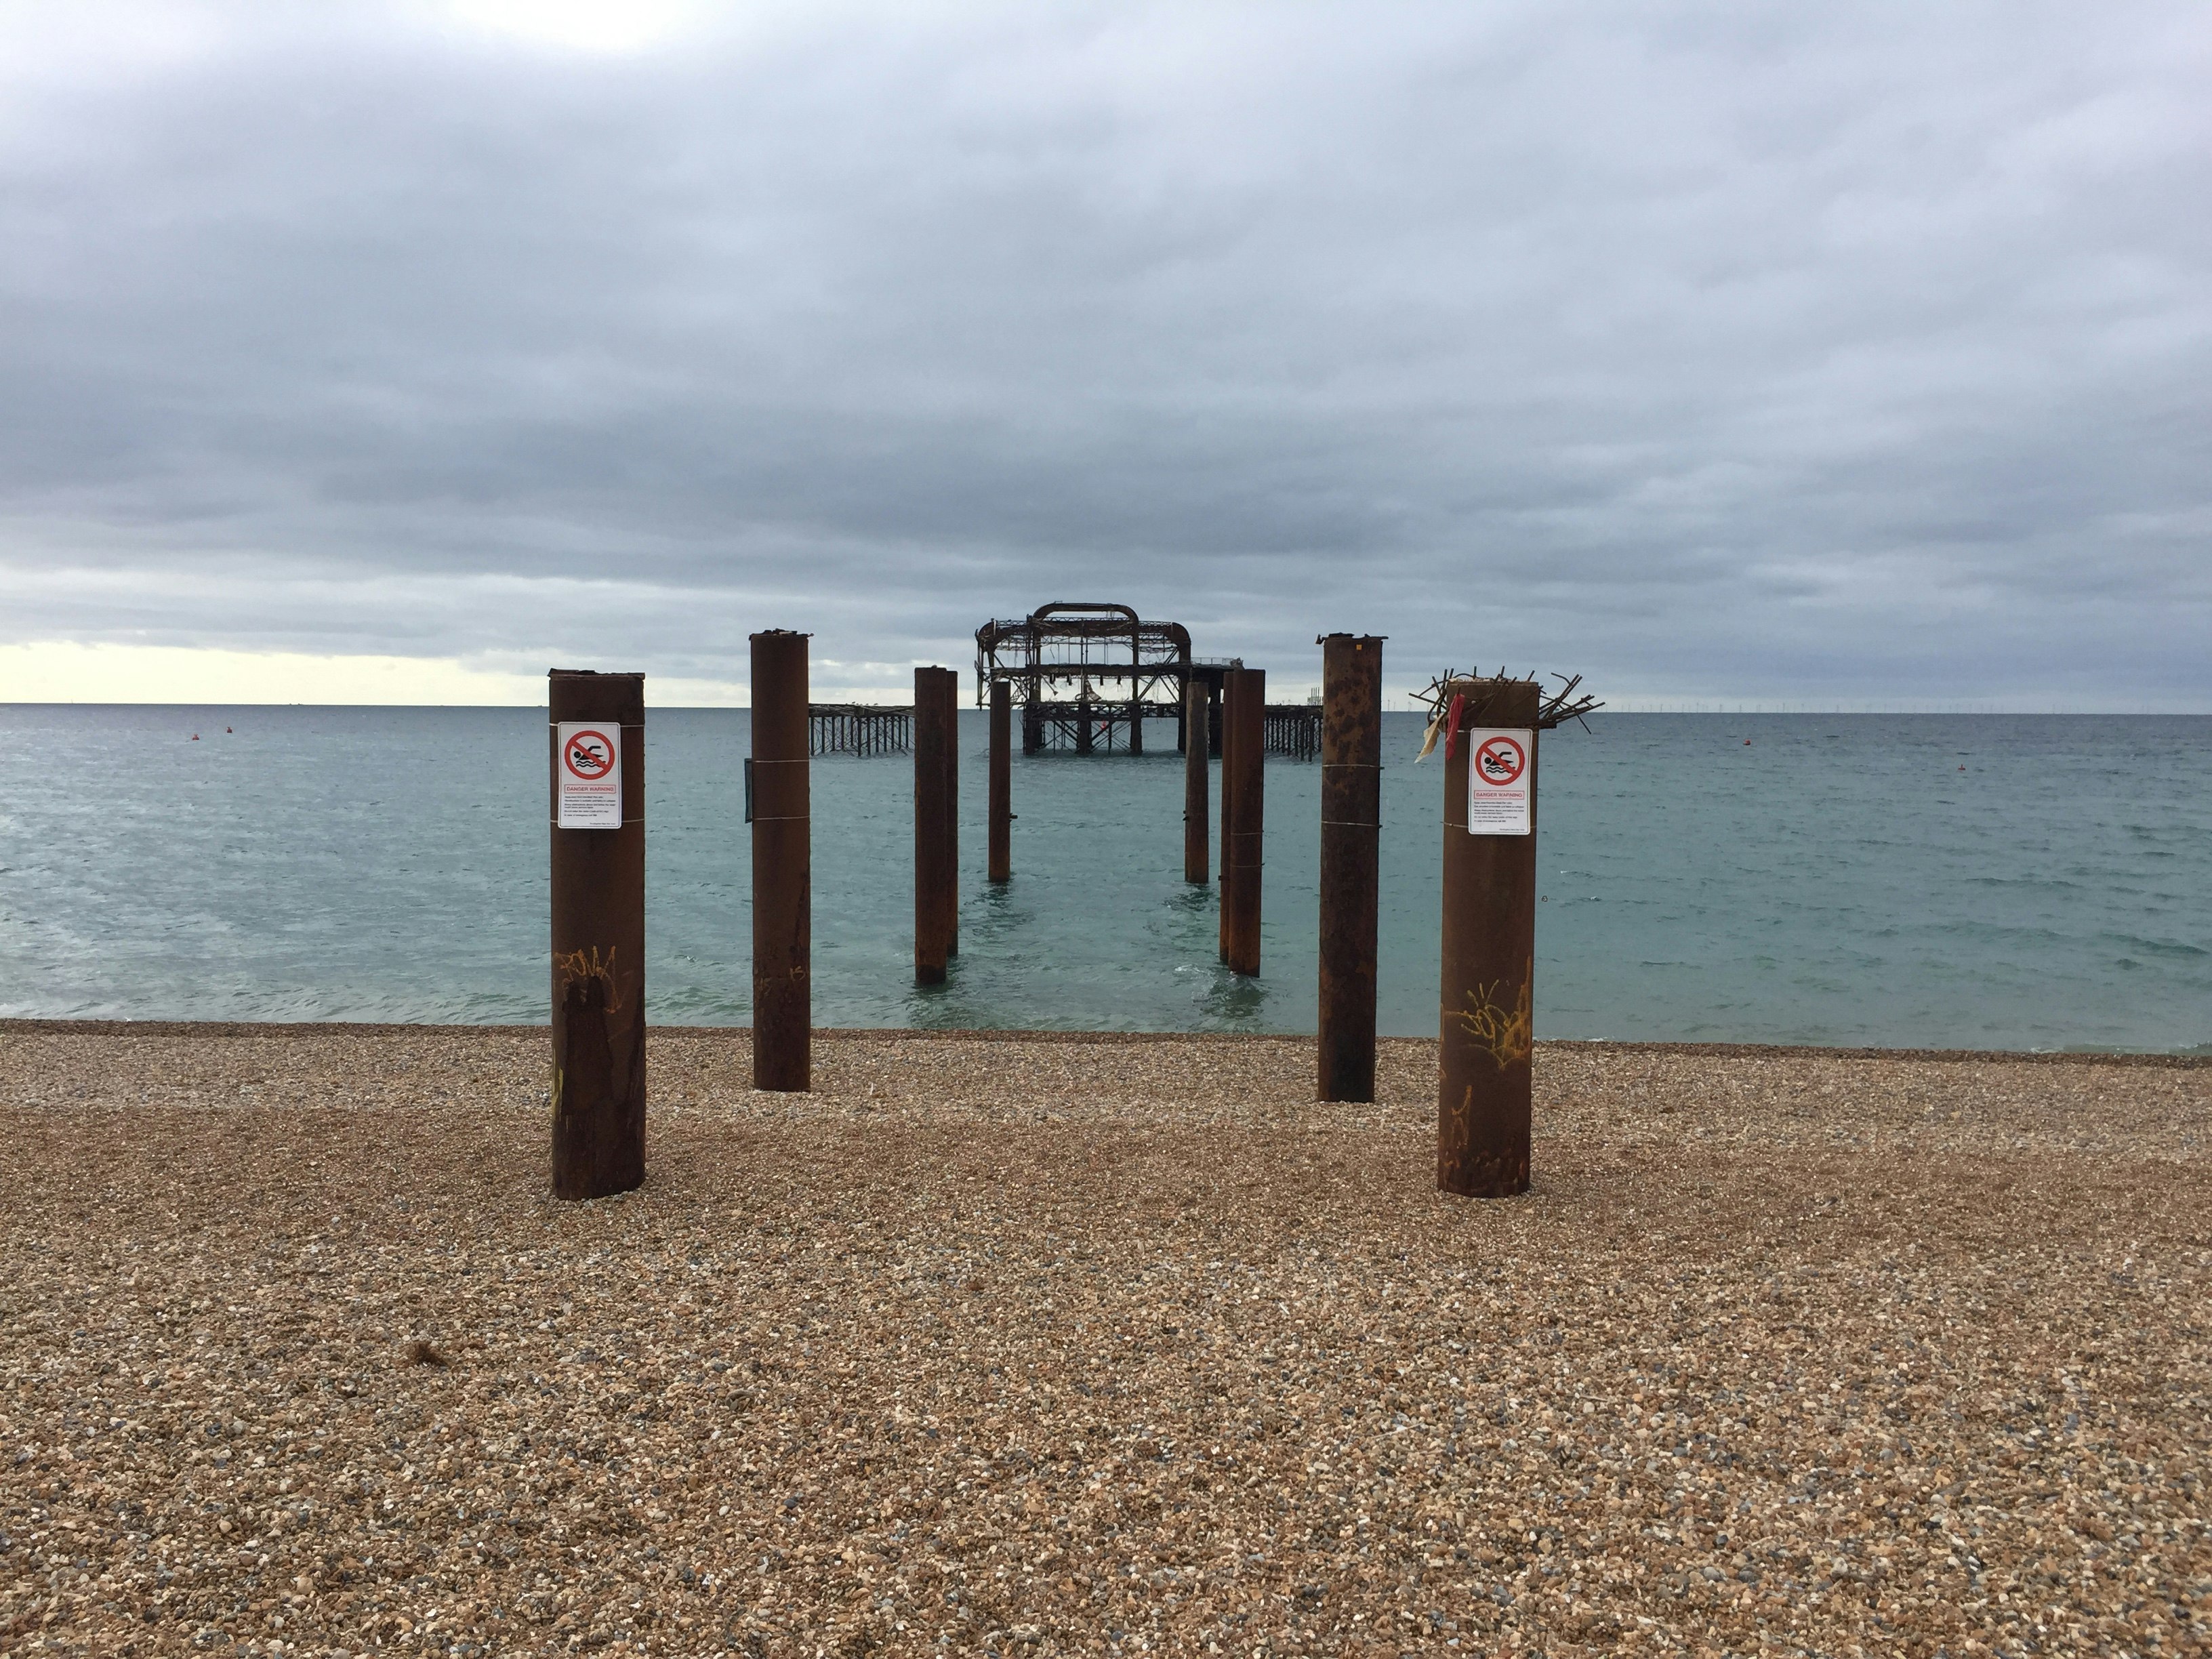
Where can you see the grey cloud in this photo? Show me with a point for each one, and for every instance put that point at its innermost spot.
(1715, 351)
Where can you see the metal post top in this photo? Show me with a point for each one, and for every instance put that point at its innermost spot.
(590, 674)
(779, 633)
(1358, 640)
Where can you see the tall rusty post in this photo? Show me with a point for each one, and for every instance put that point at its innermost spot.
(1002, 782)
(952, 694)
(1228, 705)
(783, 896)
(595, 726)
(1486, 1017)
(935, 695)
(1226, 733)
(1351, 829)
(1195, 767)
(1243, 775)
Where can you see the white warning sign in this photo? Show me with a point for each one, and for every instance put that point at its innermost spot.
(1500, 783)
(589, 768)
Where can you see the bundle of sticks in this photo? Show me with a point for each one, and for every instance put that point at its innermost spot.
(1569, 703)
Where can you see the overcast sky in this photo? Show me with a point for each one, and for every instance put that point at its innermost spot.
(1720, 351)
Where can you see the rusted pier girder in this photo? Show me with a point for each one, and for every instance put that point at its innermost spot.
(936, 876)
(1244, 772)
(783, 899)
(1001, 831)
(1486, 1017)
(1351, 826)
(596, 741)
(1195, 767)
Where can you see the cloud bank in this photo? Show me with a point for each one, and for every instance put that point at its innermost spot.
(1854, 355)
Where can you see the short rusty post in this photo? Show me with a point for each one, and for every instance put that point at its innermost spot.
(1195, 767)
(596, 723)
(1351, 827)
(783, 896)
(1243, 773)
(1002, 782)
(1486, 1017)
(935, 694)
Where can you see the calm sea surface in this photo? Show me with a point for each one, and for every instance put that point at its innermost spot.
(1958, 881)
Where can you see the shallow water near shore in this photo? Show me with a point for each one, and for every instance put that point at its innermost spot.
(1970, 881)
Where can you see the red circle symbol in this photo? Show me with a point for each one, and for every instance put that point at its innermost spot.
(1500, 761)
(589, 755)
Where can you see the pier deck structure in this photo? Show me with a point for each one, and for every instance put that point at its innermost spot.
(1088, 676)
(858, 728)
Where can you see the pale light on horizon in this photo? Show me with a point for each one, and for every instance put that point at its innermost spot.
(72, 672)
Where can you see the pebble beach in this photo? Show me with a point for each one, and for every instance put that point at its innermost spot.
(1026, 1345)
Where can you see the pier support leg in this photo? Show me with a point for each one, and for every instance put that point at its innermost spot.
(1487, 1021)
(936, 693)
(1195, 768)
(1223, 741)
(599, 950)
(1243, 773)
(1002, 782)
(952, 695)
(783, 894)
(1351, 825)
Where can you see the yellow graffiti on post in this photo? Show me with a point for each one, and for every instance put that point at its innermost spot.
(1507, 1033)
(1452, 1143)
(586, 964)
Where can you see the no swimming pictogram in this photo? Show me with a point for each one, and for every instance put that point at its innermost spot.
(1499, 760)
(588, 753)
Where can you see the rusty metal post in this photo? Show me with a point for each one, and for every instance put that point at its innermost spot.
(1002, 782)
(1486, 1017)
(935, 695)
(1224, 733)
(1227, 709)
(783, 896)
(1195, 768)
(1243, 773)
(952, 694)
(598, 938)
(1351, 828)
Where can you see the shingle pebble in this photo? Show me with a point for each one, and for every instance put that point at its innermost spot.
(1028, 1347)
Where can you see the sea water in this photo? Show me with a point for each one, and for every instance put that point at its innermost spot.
(1975, 881)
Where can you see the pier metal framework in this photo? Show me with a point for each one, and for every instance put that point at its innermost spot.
(1087, 677)
(858, 728)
